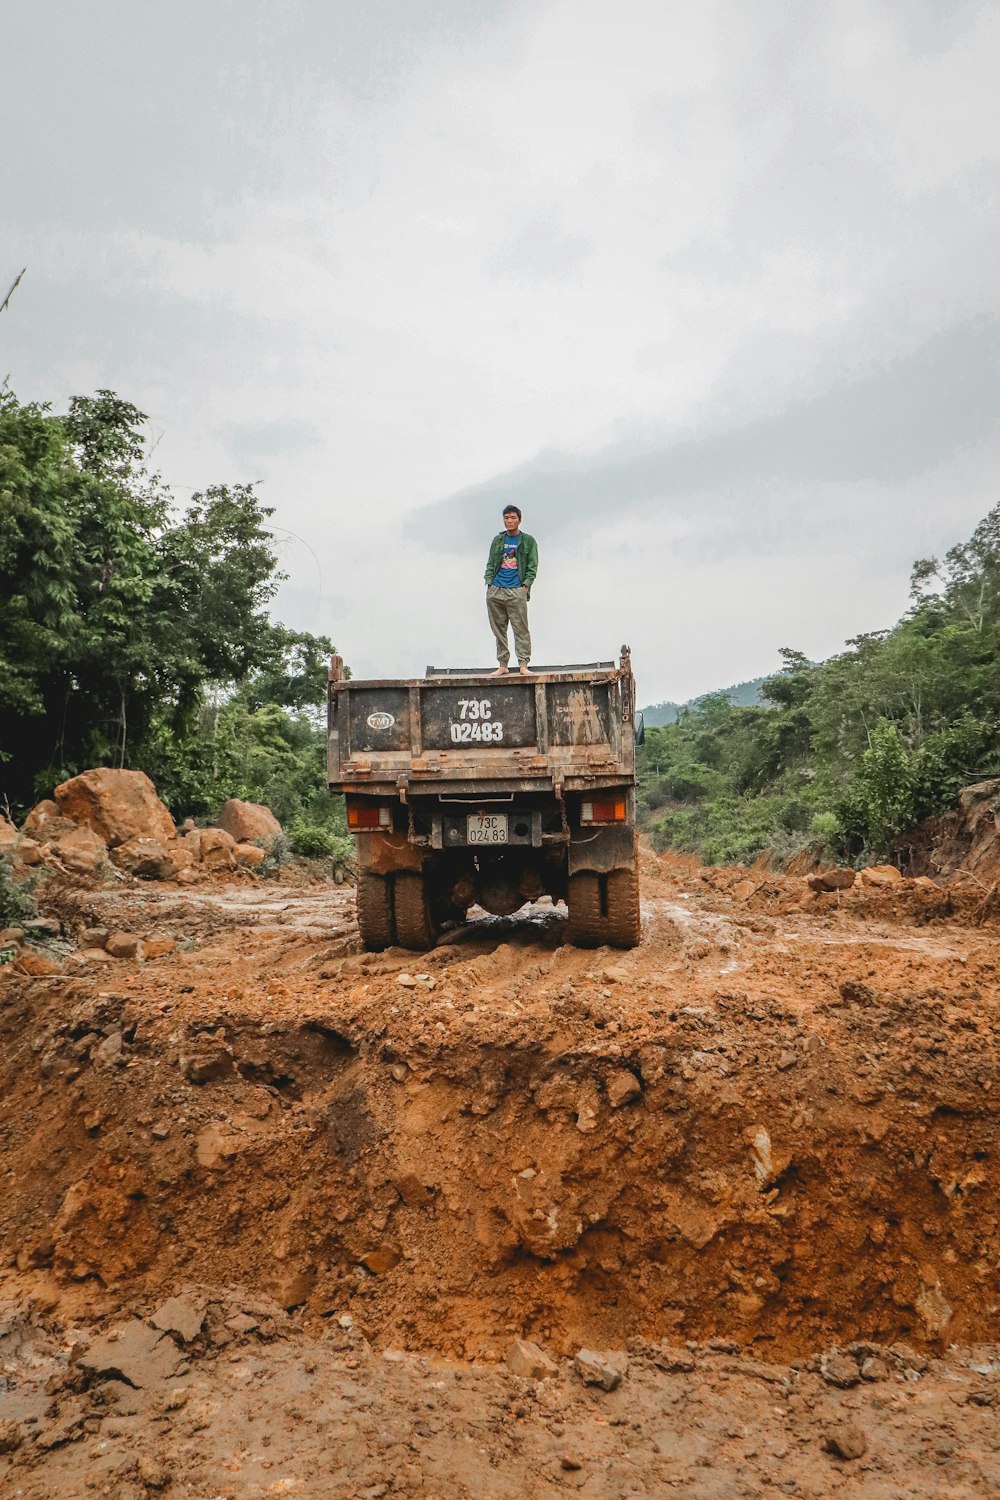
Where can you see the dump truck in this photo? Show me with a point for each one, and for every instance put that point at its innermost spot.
(463, 787)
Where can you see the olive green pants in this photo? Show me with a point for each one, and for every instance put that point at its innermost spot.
(509, 606)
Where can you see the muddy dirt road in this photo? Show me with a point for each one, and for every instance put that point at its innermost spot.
(275, 1212)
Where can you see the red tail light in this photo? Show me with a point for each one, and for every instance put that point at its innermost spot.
(608, 810)
(369, 817)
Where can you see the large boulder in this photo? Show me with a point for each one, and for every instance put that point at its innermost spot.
(217, 846)
(8, 835)
(146, 858)
(45, 822)
(249, 822)
(117, 805)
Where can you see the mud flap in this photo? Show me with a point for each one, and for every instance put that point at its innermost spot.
(383, 853)
(601, 850)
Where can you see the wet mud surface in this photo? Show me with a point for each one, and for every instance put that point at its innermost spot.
(752, 1163)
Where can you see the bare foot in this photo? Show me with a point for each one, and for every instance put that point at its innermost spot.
(501, 672)
(524, 669)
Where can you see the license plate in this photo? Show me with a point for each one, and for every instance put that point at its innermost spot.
(487, 828)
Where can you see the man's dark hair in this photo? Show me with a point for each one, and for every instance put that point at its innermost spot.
(508, 508)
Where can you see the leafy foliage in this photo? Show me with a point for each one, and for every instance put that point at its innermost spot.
(135, 635)
(853, 751)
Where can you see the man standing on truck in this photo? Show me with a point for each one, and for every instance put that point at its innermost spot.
(510, 572)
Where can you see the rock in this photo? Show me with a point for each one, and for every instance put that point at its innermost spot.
(605, 1370)
(181, 855)
(8, 834)
(208, 1064)
(934, 1310)
(117, 805)
(241, 1324)
(154, 1475)
(10, 1437)
(832, 880)
(407, 981)
(293, 1290)
(43, 927)
(181, 1315)
(146, 858)
(621, 1086)
(249, 822)
(743, 889)
(93, 937)
(81, 851)
(668, 1357)
(134, 1353)
(215, 1145)
(569, 1462)
(529, 1361)
(109, 1051)
(216, 846)
(880, 875)
(874, 1368)
(382, 1260)
(124, 945)
(840, 1370)
(159, 947)
(11, 937)
(45, 822)
(250, 855)
(37, 965)
(67, 1429)
(846, 1440)
(28, 853)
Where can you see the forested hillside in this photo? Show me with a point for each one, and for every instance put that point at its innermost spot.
(133, 634)
(740, 695)
(851, 752)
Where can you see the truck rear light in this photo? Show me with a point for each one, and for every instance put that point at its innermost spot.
(369, 817)
(608, 810)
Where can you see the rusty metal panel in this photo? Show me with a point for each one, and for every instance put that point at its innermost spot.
(486, 716)
(579, 713)
(377, 718)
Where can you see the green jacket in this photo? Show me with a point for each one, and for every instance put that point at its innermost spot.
(527, 557)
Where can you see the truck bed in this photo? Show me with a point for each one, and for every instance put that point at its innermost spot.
(561, 728)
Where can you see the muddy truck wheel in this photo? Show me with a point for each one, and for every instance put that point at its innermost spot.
(415, 928)
(603, 910)
(375, 914)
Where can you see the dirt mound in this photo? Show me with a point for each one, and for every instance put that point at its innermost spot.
(768, 1125)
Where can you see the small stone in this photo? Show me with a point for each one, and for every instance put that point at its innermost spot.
(10, 937)
(787, 1060)
(159, 947)
(109, 1051)
(160, 1130)
(399, 1072)
(154, 1475)
(569, 1463)
(408, 981)
(381, 1261)
(874, 1369)
(530, 1361)
(180, 1315)
(832, 880)
(621, 1086)
(10, 1437)
(124, 945)
(840, 1370)
(743, 890)
(846, 1440)
(595, 1368)
(208, 1065)
(177, 1399)
(93, 937)
(668, 1357)
(37, 965)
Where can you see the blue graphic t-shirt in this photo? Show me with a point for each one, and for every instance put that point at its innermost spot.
(508, 575)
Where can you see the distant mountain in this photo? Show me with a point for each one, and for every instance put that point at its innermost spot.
(741, 695)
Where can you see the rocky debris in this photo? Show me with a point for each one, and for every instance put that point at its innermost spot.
(134, 1353)
(215, 848)
(621, 1086)
(145, 857)
(831, 880)
(840, 1370)
(529, 1361)
(604, 1369)
(158, 947)
(45, 822)
(117, 805)
(11, 937)
(27, 854)
(124, 945)
(11, 1437)
(82, 851)
(154, 1474)
(181, 1315)
(249, 822)
(250, 855)
(209, 1063)
(8, 834)
(846, 1440)
(880, 876)
(36, 964)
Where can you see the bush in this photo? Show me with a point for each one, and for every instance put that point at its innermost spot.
(17, 904)
(316, 841)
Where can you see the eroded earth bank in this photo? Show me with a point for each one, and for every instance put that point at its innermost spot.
(281, 1218)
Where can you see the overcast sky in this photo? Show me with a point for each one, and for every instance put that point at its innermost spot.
(709, 289)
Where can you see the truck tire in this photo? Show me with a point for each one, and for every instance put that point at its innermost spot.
(415, 927)
(375, 913)
(607, 917)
